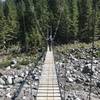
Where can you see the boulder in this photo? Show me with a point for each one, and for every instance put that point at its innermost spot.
(18, 80)
(1, 86)
(14, 61)
(77, 98)
(36, 78)
(26, 85)
(95, 61)
(8, 95)
(2, 92)
(86, 69)
(36, 83)
(69, 79)
(98, 84)
(10, 80)
(8, 68)
(26, 72)
(2, 82)
(34, 92)
(22, 74)
(30, 65)
(78, 80)
(16, 76)
(68, 72)
(24, 97)
(5, 76)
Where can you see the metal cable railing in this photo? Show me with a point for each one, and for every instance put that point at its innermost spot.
(16, 94)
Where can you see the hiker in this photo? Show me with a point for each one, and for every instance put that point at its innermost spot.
(50, 42)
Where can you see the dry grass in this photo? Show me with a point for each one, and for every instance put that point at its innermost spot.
(77, 45)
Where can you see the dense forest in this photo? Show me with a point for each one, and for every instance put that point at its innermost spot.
(27, 23)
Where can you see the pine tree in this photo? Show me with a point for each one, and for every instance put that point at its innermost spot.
(28, 22)
(9, 23)
(97, 30)
(73, 18)
(1, 23)
(85, 19)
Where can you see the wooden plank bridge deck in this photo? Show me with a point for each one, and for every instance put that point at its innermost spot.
(48, 87)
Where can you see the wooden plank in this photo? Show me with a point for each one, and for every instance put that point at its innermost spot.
(48, 87)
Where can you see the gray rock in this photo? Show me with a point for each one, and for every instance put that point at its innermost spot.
(8, 68)
(98, 84)
(86, 69)
(13, 65)
(14, 61)
(36, 83)
(68, 72)
(26, 85)
(10, 80)
(18, 80)
(78, 80)
(69, 79)
(30, 65)
(77, 98)
(2, 82)
(8, 95)
(95, 61)
(36, 78)
(24, 97)
(16, 76)
(26, 72)
(5, 76)
(34, 92)
(2, 92)
(1, 86)
(22, 75)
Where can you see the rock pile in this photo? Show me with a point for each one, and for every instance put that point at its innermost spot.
(21, 84)
(74, 73)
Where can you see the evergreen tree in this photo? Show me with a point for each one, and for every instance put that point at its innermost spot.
(12, 21)
(85, 20)
(97, 30)
(8, 23)
(73, 9)
(29, 22)
(1, 23)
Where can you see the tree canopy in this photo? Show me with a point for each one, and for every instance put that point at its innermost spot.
(29, 22)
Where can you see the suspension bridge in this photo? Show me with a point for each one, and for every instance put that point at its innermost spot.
(48, 87)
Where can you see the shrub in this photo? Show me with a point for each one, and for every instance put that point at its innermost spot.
(4, 64)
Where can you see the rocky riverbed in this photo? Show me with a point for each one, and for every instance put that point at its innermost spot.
(20, 84)
(73, 69)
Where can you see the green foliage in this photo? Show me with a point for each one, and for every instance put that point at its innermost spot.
(27, 22)
(24, 62)
(18, 24)
(85, 18)
(5, 64)
(98, 19)
(8, 24)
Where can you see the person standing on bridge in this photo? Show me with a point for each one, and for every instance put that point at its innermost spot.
(50, 42)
